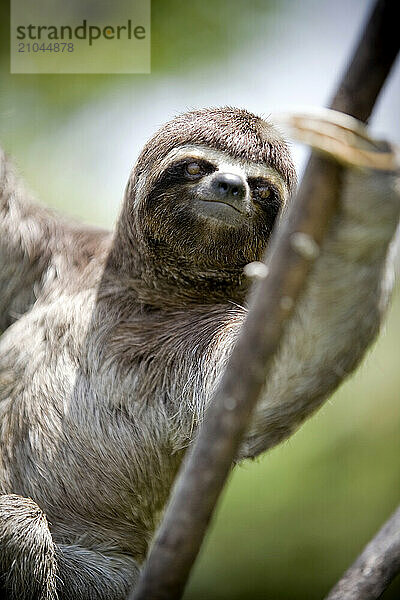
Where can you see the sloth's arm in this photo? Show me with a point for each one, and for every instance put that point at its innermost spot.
(25, 249)
(36, 246)
(339, 313)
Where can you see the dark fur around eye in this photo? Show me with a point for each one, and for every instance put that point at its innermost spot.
(174, 176)
(270, 205)
(176, 173)
(258, 183)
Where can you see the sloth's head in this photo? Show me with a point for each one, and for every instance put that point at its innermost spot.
(203, 199)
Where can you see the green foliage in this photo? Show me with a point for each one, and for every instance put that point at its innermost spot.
(185, 35)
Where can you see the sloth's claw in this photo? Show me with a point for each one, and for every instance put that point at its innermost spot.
(342, 137)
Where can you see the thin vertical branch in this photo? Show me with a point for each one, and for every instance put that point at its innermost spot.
(375, 568)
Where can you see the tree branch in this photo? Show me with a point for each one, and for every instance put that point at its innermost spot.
(208, 462)
(371, 63)
(375, 568)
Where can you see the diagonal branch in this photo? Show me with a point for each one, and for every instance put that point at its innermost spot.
(208, 462)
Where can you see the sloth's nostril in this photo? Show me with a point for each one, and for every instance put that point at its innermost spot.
(229, 185)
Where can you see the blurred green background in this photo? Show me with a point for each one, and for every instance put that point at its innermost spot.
(292, 521)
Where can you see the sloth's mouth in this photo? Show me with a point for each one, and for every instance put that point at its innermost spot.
(224, 212)
(227, 203)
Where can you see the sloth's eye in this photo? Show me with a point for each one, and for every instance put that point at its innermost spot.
(263, 192)
(188, 169)
(193, 168)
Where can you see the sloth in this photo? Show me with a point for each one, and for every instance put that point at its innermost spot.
(113, 344)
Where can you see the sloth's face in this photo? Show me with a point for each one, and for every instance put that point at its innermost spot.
(206, 205)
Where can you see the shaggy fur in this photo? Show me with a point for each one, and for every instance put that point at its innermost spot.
(113, 347)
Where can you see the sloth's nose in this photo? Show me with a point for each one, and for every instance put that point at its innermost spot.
(228, 186)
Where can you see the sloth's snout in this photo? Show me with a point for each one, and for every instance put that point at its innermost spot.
(225, 188)
(228, 186)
